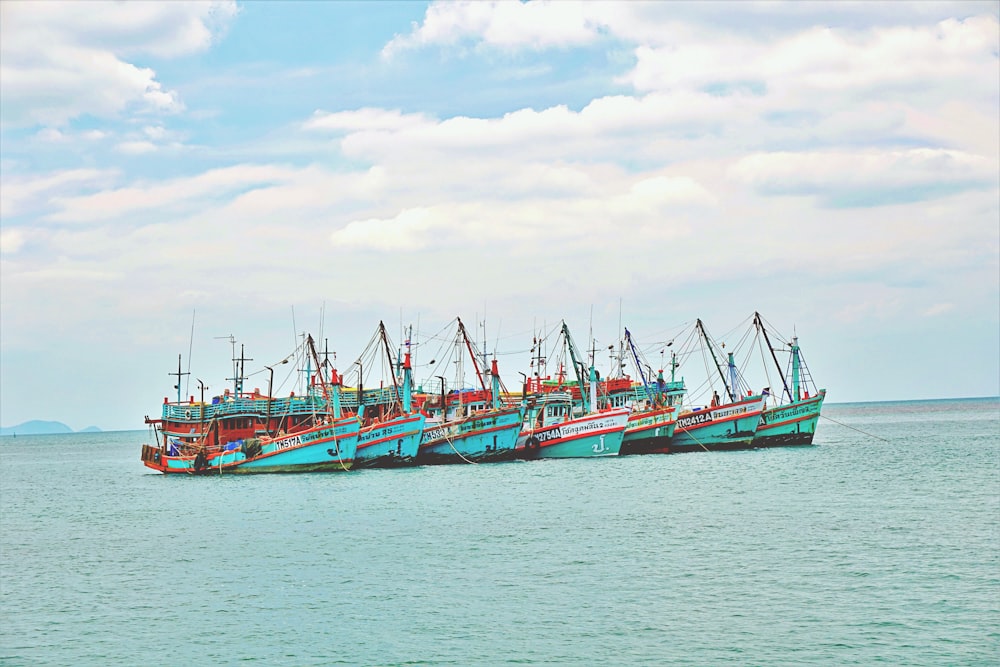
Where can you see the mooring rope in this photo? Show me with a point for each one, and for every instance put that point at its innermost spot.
(452, 445)
(690, 435)
(870, 435)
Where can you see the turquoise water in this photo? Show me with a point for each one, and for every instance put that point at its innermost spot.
(857, 551)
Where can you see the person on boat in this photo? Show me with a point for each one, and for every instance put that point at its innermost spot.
(715, 399)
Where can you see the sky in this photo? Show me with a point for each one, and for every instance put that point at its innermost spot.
(175, 174)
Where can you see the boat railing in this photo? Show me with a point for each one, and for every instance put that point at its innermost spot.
(381, 396)
(227, 407)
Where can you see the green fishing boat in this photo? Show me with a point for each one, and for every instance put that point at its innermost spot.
(791, 416)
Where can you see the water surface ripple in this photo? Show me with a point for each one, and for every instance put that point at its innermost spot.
(856, 551)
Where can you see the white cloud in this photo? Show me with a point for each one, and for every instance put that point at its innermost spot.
(136, 147)
(25, 194)
(408, 230)
(61, 60)
(11, 240)
(665, 199)
(367, 119)
(505, 25)
(893, 62)
(167, 196)
(870, 178)
(939, 309)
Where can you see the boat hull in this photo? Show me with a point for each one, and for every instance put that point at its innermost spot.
(594, 435)
(791, 424)
(649, 432)
(390, 444)
(325, 447)
(726, 427)
(483, 437)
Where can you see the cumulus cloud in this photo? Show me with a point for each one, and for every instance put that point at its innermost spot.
(11, 240)
(60, 60)
(367, 119)
(822, 59)
(32, 194)
(867, 178)
(167, 196)
(506, 25)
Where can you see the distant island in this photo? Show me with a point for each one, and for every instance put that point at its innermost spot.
(38, 427)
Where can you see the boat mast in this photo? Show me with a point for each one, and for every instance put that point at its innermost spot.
(319, 368)
(407, 384)
(238, 366)
(388, 354)
(178, 374)
(472, 355)
(638, 365)
(795, 369)
(577, 364)
(704, 337)
(760, 327)
(732, 372)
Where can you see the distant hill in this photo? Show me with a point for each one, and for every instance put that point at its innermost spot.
(38, 427)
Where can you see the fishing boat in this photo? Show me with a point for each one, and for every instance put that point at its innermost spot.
(792, 415)
(720, 425)
(327, 443)
(237, 415)
(391, 426)
(653, 418)
(557, 426)
(469, 425)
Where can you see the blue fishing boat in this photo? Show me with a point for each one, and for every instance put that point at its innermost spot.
(469, 426)
(391, 427)
(557, 426)
(726, 423)
(328, 444)
(237, 414)
(653, 419)
(794, 414)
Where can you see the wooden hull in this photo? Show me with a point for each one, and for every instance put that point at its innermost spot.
(594, 435)
(483, 437)
(326, 447)
(790, 425)
(726, 427)
(393, 443)
(649, 432)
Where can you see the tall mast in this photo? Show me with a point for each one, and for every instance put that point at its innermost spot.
(795, 368)
(576, 367)
(319, 368)
(388, 354)
(495, 384)
(407, 384)
(760, 327)
(178, 374)
(732, 374)
(704, 337)
(472, 355)
(638, 364)
(238, 366)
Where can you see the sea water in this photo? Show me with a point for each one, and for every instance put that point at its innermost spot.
(880, 544)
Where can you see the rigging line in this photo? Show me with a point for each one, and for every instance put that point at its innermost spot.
(854, 429)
